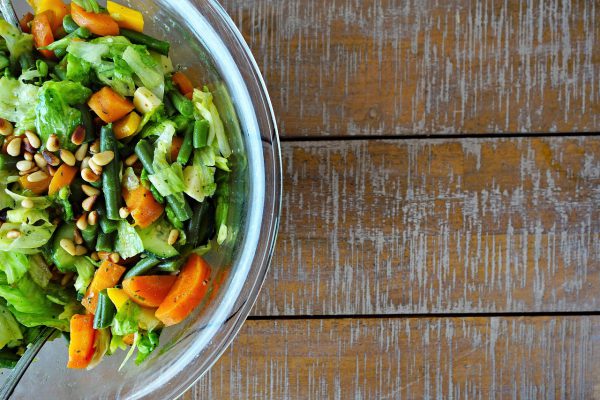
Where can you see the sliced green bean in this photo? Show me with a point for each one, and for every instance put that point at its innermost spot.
(186, 148)
(111, 186)
(69, 24)
(105, 311)
(148, 41)
(201, 129)
(170, 266)
(201, 228)
(105, 242)
(142, 267)
(182, 104)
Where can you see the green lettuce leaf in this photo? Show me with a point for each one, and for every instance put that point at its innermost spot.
(147, 343)
(18, 43)
(126, 321)
(16, 103)
(14, 265)
(128, 242)
(206, 109)
(146, 69)
(10, 332)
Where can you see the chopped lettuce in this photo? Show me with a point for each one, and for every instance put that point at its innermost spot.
(10, 332)
(169, 180)
(18, 43)
(14, 265)
(126, 320)
(90, 52)
(32, 238)
(146, 344)
(16, 103)
(78, 70)
(54, 111)
(145, 67)
(128, 242)
(206, 109)
(85, 274)
(39, 271)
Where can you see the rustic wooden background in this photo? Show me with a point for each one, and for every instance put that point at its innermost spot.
(441, 224)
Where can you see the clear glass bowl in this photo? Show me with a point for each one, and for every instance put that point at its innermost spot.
(206, 42)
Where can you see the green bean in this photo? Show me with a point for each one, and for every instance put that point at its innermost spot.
(89, 235)
(182, 104)
(62, 44)
(142, 267)
(7, 162)
(111, 185)
(26, 62)
(69, 24)
(60, 72)
(148, 41)
(201, 129)
(105, 241)
(180, 206)
(105, 311)
(170, 266)
(169, 108)
(186, 148)
(107, 225)
(42, 68)
(201, 227)
(88, 123)
(182, 123)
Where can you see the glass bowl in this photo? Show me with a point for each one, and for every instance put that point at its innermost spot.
(206, 42)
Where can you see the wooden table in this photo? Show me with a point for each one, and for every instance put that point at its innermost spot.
(440, 233)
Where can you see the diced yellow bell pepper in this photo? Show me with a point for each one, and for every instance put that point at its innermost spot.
(146, 318)
(127, 126)
(126, 17)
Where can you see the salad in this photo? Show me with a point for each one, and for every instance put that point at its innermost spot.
(113, 176)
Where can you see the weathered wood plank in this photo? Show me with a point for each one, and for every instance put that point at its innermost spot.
(474, 358)
(444, 226)
(394, 67)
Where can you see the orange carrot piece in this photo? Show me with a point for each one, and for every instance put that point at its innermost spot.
(62, 178)
(99, 24)
(25, 21)
(129, 339)
(81, 346)
(187, 292)
(109, 105)
(57, 7)
(37, 188)
(183, 83)
(144, 209)
(149, 291)
(41, 29)
(176, 147)
(106, 277)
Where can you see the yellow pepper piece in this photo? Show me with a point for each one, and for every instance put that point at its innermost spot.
(57, 6)
(126, 17)
(117, 296)
(127, 126)
(146, 318)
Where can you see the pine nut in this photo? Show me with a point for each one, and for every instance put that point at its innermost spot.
(90, 190)
(80, 251)
(29, 171)
(6, 128)
(34, 140)
(88, 204)
(173, 237)
(28, 156)
(81, 152)
(103, 255)
(27, 203)
(95, 167)
(27, 147)
(51, 158)
(52, 170)
(53, 144)
(25, 165)
(77, 238)
(82, 222)
(13, 234)
(78, 135)
(124, 212)
(89, 176)
(93, 218)
(37, 177)
(14, 147)
(115, 258)
(67, 157)
(95, 147)
(104, 158)
(95, 257)
(66, 279)
(131, 160)
(85, 163)
(68, 246)
(40, 160)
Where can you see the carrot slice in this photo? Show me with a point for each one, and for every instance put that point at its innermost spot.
(41, 29)
(144, 209)
(187, 292)
(176, 147)
(81, 346)
(107, 276)
(149, 291)
(37, 188)
(99, 24)
(58, 8)
(110, 105)
(62, 178)
(183, 83)
(25, 21)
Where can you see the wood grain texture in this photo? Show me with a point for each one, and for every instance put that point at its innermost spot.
(437, 226)
(462, 358)
(396, 67)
